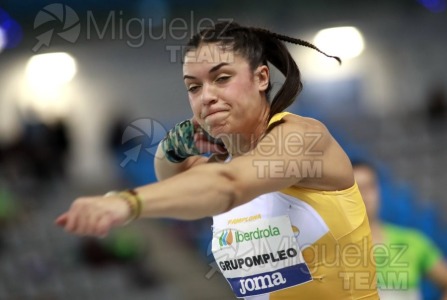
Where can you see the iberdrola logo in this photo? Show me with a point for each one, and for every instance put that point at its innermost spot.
(226, 238)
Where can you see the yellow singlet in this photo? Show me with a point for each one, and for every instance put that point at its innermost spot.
(332, 232)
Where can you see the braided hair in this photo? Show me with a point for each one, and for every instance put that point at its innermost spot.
(259, 46)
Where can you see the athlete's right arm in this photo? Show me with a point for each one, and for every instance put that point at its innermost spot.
(165, 169)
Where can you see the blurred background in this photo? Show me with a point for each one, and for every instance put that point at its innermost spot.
(88, 89)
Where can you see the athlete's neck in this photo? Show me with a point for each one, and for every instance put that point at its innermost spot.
(247, 140)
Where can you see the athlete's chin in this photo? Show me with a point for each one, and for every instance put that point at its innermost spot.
(216, 123)
(220, 130)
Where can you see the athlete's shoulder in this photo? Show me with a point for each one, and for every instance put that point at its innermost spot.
(298, 123)
(306, 136)
(309, 130)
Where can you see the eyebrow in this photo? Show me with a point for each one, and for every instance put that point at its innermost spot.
(213, 69)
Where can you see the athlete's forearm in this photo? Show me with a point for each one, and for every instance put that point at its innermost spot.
(203, 191)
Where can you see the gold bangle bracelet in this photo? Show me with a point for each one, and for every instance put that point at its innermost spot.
(138, 200)
(133, 201)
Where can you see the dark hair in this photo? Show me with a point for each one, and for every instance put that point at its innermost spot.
(259, 46)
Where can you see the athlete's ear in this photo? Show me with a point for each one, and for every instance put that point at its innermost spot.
(262, 77)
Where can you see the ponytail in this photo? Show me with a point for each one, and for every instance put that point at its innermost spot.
(278, 55)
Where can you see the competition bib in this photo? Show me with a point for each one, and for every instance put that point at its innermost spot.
(259, 257)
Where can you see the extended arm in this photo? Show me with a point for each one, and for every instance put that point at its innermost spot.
(211, 189)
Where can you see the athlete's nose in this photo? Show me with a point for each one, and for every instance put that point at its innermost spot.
(209, 94)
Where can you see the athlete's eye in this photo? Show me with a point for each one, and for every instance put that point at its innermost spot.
(223, 78)
(193, 88)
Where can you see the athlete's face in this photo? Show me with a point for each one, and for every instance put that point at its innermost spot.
(367, 182)
(225, 95)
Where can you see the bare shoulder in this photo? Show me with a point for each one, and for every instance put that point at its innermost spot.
(319, 146)
(305, 124)
(309, 130)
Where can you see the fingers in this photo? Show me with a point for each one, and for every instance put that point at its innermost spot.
(98, 225)
(93, 216)
(72, 217)
(83, 223)
(88, 225)
(206, 146)
(103, 226)
(61, 220)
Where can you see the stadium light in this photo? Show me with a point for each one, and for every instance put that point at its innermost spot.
(345, 42)
(50, 70)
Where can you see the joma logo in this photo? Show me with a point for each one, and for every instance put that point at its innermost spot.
(261, 282)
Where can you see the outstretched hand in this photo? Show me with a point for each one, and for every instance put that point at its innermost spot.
(94, 216)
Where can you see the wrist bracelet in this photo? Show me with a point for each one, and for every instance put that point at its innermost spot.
(137, 199)
(132, 199)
